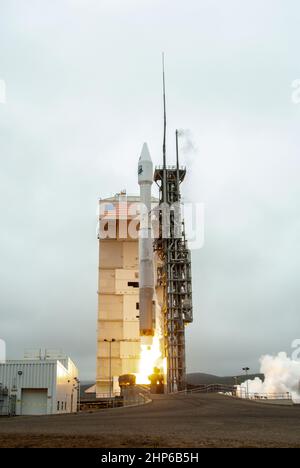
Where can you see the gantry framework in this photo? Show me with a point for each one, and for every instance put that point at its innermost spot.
(174, 274)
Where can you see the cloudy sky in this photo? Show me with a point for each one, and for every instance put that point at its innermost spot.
(83, 92)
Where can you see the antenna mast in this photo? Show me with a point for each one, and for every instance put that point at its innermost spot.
(164, 191)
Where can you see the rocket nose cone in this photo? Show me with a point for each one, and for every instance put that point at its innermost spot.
(145, 154)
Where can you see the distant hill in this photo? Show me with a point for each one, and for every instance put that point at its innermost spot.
(199, 378)
(83, 387)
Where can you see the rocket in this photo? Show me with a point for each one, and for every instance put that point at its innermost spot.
(146, 271)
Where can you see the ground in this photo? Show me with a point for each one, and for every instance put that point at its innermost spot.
(168, 421)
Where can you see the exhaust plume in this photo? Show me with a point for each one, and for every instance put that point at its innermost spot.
(282, 375)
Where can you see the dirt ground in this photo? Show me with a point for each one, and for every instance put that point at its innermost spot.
(168, 421)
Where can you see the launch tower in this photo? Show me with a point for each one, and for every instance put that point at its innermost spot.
(174, 274)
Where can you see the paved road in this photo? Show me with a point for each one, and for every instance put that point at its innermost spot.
(168, 421)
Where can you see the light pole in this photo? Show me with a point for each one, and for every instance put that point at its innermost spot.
(79, 390)
(246, 369)
(110, 377)
(78, 393)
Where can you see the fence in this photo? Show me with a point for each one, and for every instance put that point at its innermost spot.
(242, 393)
(212, 388)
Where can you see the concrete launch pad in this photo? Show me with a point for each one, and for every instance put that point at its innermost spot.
(198, 420)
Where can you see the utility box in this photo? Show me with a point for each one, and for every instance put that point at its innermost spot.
(5, 409)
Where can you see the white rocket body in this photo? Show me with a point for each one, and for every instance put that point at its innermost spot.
(146, 272)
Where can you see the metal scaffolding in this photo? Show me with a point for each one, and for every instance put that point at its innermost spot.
(174, 274)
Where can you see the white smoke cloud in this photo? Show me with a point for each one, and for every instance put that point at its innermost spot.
(282, 375)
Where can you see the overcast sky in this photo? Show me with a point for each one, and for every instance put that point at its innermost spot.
(83, 92)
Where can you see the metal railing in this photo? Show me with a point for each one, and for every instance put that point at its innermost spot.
(212, 388)
(262, 396)
(170, 167)
(237, 392)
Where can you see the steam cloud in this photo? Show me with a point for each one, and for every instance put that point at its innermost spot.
(282, 375)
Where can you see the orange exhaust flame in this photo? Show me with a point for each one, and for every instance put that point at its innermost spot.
(151, 356)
